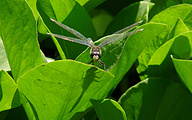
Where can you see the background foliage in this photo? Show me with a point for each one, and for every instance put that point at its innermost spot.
(148, 74)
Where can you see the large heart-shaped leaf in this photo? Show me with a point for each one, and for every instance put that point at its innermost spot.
(19, 35)
(58, 90)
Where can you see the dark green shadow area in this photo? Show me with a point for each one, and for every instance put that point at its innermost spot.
(16, 99)
(14, 114)
(157, 98)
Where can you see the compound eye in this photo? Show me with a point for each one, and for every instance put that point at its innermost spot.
(99, 55)
(92, 54)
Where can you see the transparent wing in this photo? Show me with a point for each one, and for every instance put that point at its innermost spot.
(116, 37)
(128, 27)
(72, 39)
(74, 32)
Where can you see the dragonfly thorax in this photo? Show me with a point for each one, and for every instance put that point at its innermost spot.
(95, 53)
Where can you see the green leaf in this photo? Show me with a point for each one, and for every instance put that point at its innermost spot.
(9, 96)
(133, 47)
(170, 17)
(19, 35)
(183, 68)
(161, 5)
(108, 110)
(29, 109)
(58, 90)
(41, 26)
(178, 28)
(101, 20)
(4, 64)
(139, 11)
(157, 99)
(71, 14)
(90, 4)
(83, 2)
(32, 4)
(90, 115)
(187, 1)
(160, 64)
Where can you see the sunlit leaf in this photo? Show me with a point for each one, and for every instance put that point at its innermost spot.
(170, 17)
(58, 90)
(108, 109)
(4, 64)
(19, 36)
(160, 64)
(9, 96)
(183, 68)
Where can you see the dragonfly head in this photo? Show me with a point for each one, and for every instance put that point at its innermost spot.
(95, 53)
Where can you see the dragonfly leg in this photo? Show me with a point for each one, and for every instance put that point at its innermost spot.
(102, 64)
(90, 62)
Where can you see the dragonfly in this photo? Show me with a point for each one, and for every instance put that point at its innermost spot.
(95, 52)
